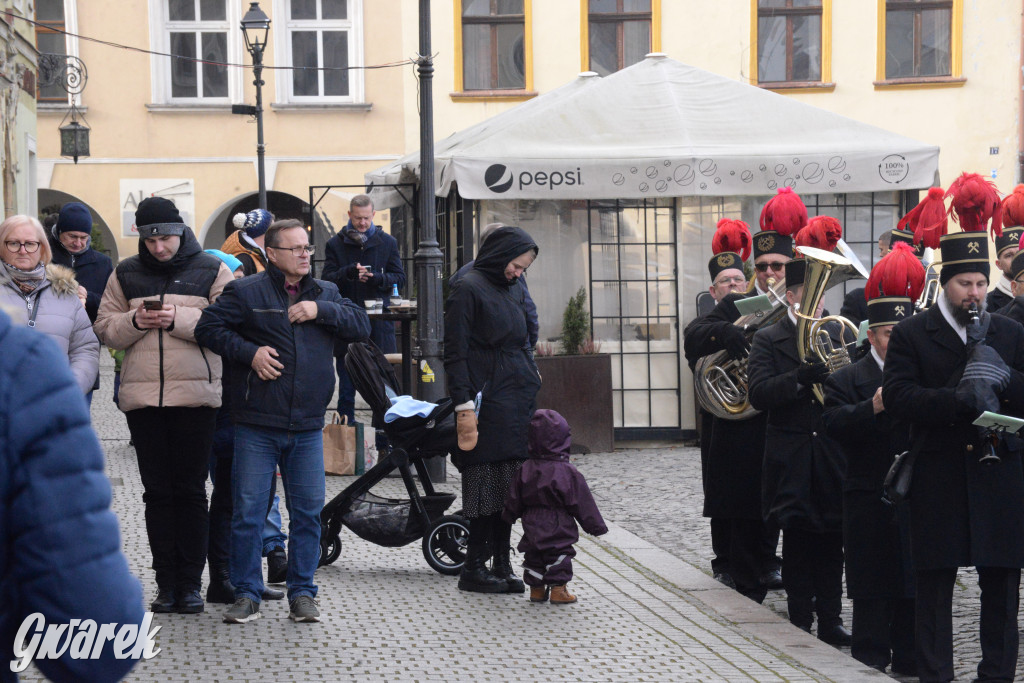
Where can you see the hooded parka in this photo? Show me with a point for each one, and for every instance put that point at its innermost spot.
(550, 494)
(486, 350)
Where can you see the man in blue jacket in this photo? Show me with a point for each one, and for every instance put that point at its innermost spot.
(363, 261)
(278, 329)
(71, 244)
(61, 559)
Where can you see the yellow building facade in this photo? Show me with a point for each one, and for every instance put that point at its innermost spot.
(946, 73)
(160, 125)
(163, 126)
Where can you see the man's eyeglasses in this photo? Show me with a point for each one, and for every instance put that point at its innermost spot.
(737, 280)
(15, 247)
(763, 267)
(298, 251)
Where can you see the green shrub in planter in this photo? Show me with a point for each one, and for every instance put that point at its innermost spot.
(575, 324)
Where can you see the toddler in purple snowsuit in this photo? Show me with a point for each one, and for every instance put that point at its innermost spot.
(550, 494)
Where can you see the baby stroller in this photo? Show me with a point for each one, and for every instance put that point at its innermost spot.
(385, 521)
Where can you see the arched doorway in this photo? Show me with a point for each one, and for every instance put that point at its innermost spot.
(219, 225)
(50, 201)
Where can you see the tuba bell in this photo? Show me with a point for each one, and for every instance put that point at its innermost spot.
(812, 335)
(720, 382)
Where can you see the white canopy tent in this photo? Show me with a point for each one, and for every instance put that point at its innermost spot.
(662, 128)
(659, 152)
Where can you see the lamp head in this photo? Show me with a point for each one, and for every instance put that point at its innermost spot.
(255, 28)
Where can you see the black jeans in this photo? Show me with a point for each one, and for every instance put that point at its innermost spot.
(173, 448)
(1000, 600)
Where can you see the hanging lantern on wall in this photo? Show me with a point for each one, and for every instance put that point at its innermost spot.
(70, 72)
(74, 137)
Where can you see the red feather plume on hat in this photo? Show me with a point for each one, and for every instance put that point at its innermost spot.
(975, 203)
(784, 213)
(898, 273)
(1013, 208)
(821, 232)
(929, 220)
(734, 236)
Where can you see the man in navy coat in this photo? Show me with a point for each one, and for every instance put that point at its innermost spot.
(363, 262)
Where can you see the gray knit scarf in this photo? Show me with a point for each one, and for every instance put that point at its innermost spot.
(26, 280)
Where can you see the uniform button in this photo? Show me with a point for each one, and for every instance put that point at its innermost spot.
(713, 339)
(814, 433)
(970, 448)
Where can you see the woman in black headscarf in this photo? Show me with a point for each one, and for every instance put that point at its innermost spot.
(487, 355)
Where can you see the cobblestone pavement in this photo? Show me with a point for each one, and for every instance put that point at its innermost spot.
(646, 612)
(656, 494)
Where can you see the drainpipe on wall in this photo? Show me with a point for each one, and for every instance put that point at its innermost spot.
(1020, 105)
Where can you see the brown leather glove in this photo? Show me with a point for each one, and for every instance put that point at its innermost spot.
(465, 426)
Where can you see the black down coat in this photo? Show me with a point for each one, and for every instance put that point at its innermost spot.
(735, 448)
(876, 535)
(962, 513)
(803, 466)
(486, 350)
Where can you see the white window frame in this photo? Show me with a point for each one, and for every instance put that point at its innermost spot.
(71, 48)
(160, 27)
(281, 30)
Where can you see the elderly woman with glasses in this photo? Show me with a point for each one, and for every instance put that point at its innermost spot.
(47, 294)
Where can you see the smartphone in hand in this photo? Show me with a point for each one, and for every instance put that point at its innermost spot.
(153, 305)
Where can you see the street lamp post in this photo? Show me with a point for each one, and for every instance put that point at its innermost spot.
(256, 30)
(428, 258)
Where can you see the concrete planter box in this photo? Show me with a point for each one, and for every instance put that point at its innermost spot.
(580, 388)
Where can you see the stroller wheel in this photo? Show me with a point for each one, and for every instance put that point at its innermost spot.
(330, 551)
(444, 544)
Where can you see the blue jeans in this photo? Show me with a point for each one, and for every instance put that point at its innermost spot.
(273, 535)
(300, 455)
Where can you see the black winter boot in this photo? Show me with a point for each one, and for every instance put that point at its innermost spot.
(220, 589)
(830, 623)
(475, 577)
(501, 565)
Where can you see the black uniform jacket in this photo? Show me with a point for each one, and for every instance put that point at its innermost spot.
(876, 535)
(735, 448)
(997, 299)
(1013, 310)
(803, 466)
(962, 513)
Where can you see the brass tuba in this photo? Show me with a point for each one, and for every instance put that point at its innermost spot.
(720, 382)
(812, 337)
